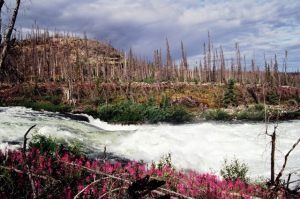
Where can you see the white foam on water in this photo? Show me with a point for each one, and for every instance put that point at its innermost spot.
(111, 127)
(201, 147)
(204, 146)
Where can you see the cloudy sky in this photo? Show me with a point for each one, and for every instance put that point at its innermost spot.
(259, 26)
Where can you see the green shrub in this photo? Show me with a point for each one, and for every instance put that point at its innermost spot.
(165, 102)
(165, 160)
(234, 170)
(149, 80)
(217, 114)
(151, 101)
(272, 98)
(51, 107)
(177, 115)
(48, 145)
(75, 148)
(254, 113)
(230, 98)
(124, 112)
(91, 112)
(259, 107)
(154, 114)
(44, 144)
(290, 115)
(130, 112)
(107, 112)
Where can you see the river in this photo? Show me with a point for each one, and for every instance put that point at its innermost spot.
(200, 146)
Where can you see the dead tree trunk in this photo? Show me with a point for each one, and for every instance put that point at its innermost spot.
(1, 5)
(273, 144)
(169, 60)
(6, 42)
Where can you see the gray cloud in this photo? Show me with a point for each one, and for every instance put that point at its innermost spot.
(260, 26)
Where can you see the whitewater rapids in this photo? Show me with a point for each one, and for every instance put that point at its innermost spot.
(201, 147)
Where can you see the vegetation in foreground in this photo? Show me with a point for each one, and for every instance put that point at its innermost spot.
(59, 171)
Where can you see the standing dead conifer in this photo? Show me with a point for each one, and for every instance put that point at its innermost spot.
(209, 49)
(200, 71)
(232, 71)
(253, 72)
(285, 68)
(276, 74)
(169, 60)
(184, 62)
(6, 44)
(213, 78)
(222, 67)
(238, 63)
(206, 76)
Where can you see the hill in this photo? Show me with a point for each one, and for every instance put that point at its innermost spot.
(61, 58)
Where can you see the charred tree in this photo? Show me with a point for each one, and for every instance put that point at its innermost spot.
(184, 62)
(238, 63)
(169, 60)
(222, 67)
(7, 43)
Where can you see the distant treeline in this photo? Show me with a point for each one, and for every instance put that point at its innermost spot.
(41, 56)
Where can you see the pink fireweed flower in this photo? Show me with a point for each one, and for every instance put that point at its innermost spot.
(88, 164)
(80, 187)
(65, 157)
(68, 193)
(181, 189)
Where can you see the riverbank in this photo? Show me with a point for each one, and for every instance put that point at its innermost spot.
(153, 103)
(134, 113)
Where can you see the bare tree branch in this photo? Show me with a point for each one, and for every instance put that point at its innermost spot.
(114, 190)
(27, 166)
(88, 186)
(33, 174)
(25, 138)
(285, 161)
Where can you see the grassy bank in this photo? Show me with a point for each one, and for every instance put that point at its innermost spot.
(156, 102)
(128, 112)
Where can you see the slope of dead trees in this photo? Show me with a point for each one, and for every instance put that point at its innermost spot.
(40, 56)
